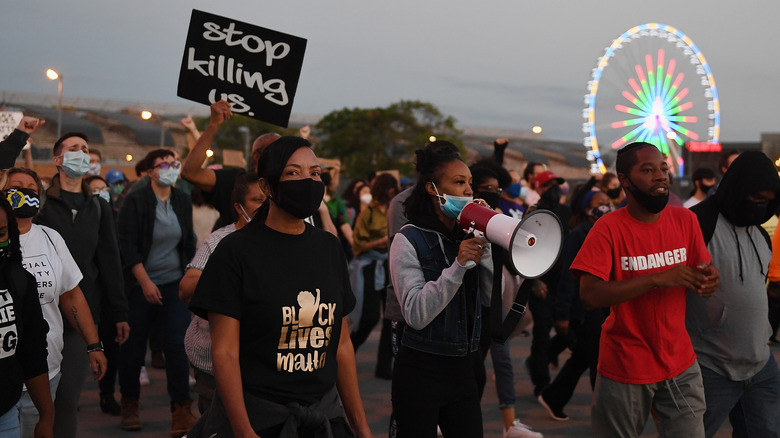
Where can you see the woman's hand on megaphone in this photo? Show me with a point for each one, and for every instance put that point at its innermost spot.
(470, 251)
(481, 202)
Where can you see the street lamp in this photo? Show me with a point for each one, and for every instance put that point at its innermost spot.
(53, 75)
(536, 129)
(245, 130)
(146, 115)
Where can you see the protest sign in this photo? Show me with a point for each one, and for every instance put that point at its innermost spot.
(9, 120)
(255, 69)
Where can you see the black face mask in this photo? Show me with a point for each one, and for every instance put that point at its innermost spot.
(4, 250)
(706, 188)
(614, 193)
(597, 212)
(490, 197)
(299, 197)
(652, 203)
(24, 202)
(750, 213)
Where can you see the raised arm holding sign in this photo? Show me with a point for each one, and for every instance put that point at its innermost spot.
(254, 68)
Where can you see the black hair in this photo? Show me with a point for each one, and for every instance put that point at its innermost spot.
(626, 156)
(489, 168)
(350, 195)
(698, 175)
(381, 186)
(430, 160)
(58, 144)
(153, 155)
(241, 189)
(272, 163)
(91, 178)
(14, 248)
(529, 169)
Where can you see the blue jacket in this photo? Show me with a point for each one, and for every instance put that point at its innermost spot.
(439, 297)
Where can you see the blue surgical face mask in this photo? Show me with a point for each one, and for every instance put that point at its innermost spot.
(75, 163)
(524, 191)
(452, 205)
(103, 194)
(168, 176)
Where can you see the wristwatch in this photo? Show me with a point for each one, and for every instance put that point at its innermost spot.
(98, 346)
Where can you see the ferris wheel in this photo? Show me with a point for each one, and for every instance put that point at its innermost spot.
(652, 84)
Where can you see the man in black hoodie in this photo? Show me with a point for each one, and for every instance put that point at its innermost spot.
(86, 223)
(729, 329)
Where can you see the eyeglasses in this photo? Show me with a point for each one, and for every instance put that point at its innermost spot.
(164, 166)
(488, 188)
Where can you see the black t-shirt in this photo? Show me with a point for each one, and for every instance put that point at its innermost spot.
(221, 197)
(289, 292)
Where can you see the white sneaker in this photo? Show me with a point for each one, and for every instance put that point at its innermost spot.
(520, 430)
(143, 377)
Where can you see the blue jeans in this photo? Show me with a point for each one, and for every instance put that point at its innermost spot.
(175, 317)
(28, 413)
(752, 405)
(9, 424)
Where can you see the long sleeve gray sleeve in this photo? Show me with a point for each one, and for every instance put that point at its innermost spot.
(422, 301)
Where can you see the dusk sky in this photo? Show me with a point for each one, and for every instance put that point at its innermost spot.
(505, 64)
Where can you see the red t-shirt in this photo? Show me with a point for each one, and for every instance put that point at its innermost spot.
(643, 340)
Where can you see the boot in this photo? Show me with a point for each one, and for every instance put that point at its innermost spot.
(130, 418)
(182, 419)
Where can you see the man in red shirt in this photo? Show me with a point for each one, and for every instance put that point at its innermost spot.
(639, 261)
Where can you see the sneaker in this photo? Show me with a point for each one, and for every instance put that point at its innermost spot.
(520, 430)
(555, 414)
(143, 377)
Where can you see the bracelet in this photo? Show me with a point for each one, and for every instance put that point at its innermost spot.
(98, 346)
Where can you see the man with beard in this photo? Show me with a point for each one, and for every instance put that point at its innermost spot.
(639, 261)
(730, 329)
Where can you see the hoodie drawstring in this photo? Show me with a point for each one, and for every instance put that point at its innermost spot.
(739, 254)
(758, 256)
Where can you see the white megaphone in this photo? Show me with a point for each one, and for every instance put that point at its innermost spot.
(533, 243)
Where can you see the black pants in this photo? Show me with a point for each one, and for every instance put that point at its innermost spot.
(584, 356)
(539, 360)
(371, 308)
(430, 390)
(107, 334)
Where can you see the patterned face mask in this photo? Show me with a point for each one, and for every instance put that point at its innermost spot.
(25, 202)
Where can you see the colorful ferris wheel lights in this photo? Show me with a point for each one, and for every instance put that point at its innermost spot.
(661, 91)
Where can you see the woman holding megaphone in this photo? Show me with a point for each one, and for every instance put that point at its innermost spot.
(441, 276)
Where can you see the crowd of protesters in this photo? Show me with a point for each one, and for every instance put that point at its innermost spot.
(670, 308)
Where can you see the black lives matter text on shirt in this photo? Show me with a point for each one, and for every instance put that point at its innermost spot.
(255, 69)
(8, 332)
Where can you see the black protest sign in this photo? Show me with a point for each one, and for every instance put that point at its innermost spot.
(255, 69)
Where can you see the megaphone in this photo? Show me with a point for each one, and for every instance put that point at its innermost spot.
(533, 243)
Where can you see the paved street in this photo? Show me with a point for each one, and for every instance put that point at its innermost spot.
(155, 411)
